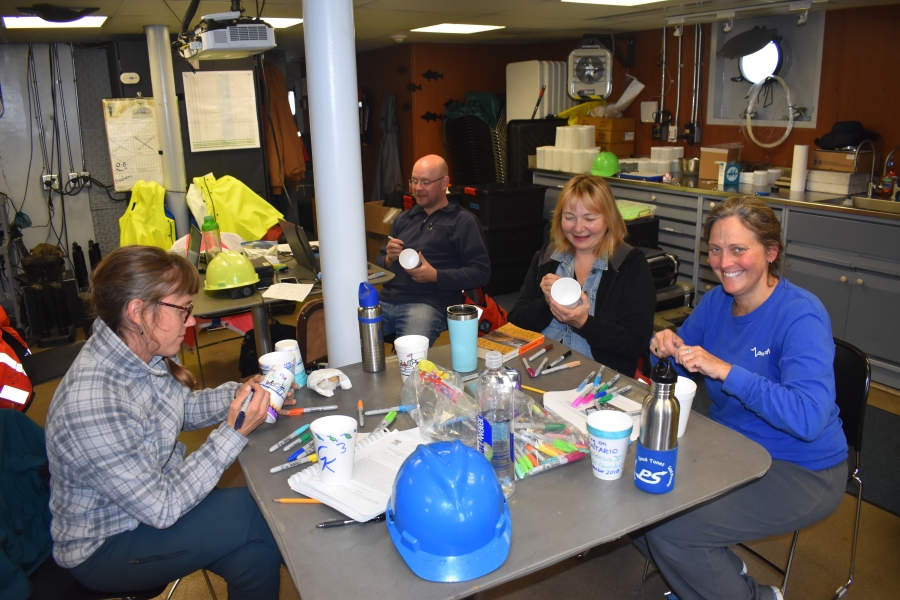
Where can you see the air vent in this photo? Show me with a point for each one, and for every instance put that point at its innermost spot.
(249, 33)
(220, 37)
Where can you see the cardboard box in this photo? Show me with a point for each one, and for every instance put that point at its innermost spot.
(378, 225)
(603, 136)
(710, 155)
(623, 150)
(840, 160)
(604, 124)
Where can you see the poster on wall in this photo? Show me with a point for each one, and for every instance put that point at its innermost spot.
(221, 110)
(133, 141)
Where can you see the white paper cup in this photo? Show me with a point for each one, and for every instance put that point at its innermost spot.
(774, 174)
(410, 350)
(335, 443)
(409, 259)
(278, 382)
(293, 348)
(610, 433)
(685, 389)
(270, 360)
(566, 291)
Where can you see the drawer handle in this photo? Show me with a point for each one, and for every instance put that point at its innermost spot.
(712, 204)
(843, 279)
(709, 287)
(653, 196)
(834, 261)
(859, 281)
(672, 230)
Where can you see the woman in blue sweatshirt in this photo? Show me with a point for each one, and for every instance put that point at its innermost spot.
(765, 350)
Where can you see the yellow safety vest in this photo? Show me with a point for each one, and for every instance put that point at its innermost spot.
(145, 222)
(237, 208)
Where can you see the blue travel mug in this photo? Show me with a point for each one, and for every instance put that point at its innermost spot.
(462, 321)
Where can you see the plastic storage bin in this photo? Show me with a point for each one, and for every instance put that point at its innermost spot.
(503, 205)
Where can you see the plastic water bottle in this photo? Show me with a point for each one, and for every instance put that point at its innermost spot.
(212, 241)
(494, 392)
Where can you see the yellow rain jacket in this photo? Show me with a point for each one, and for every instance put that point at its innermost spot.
(145, 222)
(237, 208)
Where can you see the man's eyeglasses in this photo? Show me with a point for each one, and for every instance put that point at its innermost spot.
(413, 182)
(187, 309)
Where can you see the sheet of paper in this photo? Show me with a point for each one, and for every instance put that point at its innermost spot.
(133, 143)
(561, 404)
(288, 291)
(221, 110)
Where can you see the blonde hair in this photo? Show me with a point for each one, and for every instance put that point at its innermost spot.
(755, 216)
(148, 274)
(596, 197)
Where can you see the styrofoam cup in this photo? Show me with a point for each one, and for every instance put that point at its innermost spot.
(278, 381)
(410, 350)
(299, 369)
(566, 291)
(271, 360)
(335, 443)
(774, 174)
(409, 259)
(610, 433)
(685, 389)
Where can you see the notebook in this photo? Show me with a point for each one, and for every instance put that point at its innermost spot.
(307, 265)
(377, 460)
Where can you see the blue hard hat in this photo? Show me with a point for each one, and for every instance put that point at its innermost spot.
(447, 515)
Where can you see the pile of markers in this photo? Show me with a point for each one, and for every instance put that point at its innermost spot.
(596, 393)
(543, 368)
(544, 441)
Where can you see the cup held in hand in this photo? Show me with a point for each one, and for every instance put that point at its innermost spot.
(566, 291)
(409, 259)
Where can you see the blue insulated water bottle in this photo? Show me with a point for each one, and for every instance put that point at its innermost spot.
(371, 334)
(656, 455)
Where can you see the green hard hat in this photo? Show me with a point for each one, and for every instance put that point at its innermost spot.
(606, 164)
(230, 270)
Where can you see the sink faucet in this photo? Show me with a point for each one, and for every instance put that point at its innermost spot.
(886, 161)
(872, 185)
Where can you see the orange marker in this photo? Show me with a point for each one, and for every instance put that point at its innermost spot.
(362, 418)
(294, 412)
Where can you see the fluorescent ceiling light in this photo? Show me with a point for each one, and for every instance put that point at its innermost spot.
(457, 28)
(281, 23)
(39, 23)
(614, 2)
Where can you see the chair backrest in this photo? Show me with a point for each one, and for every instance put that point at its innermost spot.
(852, 375)
(311, 333)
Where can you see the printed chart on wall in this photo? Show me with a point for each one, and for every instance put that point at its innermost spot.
(221, 110)
(133, 141)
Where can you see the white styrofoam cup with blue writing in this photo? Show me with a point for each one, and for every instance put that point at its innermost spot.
(610, 433)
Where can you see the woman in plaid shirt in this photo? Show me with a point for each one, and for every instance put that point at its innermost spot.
(129, 510)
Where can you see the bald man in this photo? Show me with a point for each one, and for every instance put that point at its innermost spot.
(452, 256)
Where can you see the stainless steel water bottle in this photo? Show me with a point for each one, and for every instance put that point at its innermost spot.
(659, 417)
(371, 334)
(656, 454)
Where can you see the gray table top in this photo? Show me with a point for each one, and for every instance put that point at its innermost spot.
(555, 515)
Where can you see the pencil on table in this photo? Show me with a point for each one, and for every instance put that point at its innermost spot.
(296, 501)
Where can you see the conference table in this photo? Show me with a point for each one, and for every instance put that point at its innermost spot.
(218, 303)
(555, 515)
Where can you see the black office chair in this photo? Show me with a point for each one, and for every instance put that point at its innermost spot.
(852, 376)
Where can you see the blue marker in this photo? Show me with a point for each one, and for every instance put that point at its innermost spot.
(599, 376)
(289, 438)
(305, 448)
(585, 382)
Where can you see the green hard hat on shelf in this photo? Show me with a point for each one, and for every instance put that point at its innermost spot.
(230, 270)
(606, 164)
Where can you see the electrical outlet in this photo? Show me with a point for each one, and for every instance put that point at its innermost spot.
(673, 133)
(73, 177)
(50, 182)
(85, 179)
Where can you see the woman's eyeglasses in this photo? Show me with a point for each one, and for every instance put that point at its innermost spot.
(187, 309)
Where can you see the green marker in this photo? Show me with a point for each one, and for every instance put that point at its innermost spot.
(386, 421)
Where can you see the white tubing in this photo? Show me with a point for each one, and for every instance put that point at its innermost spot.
(334, 129)
(752, 103)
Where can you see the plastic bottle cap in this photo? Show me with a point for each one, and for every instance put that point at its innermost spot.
(493, 359)
(368, 295)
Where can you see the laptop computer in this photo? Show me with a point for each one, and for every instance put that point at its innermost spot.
(307, 264)
(193, 250)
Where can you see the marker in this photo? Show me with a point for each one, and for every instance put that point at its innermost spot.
(571, 365)
(535, 390)
(562, 460)
(607, 385)
(341, 523)
(566, 355)
(541, 351)
(296, 501)
(540, 368)
(528, 368)
(307, 448)
(359, 407)
(588, 391)
(384, 411)
(599, 376)
(295, 412)
(240, 418)
(298, 441)
(386, 422)
(295, 463)
(289, 438)
(585, 382)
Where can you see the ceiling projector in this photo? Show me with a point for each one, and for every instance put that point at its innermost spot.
(224, 36)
